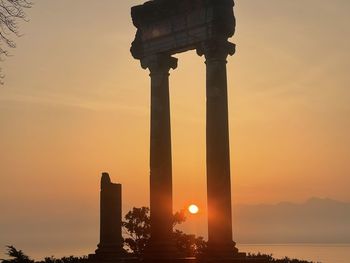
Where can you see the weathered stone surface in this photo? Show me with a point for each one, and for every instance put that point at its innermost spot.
(111, 242)
(177, 26)
(161, 244)
(165, 28)
(220, 244)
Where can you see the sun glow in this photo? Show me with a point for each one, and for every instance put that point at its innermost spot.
(193, 209)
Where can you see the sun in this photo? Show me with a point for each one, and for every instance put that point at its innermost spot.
(193, 209)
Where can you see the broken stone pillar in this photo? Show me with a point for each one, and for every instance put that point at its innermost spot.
(161, 244)
(111, 241)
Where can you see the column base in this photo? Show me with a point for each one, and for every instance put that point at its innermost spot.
(227, 253)
(169, 260)
(224, 251)
(157, 250)
(109, 253)
(240, 259)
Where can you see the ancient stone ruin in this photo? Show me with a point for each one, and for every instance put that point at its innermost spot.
(164, 28)
(110, 247)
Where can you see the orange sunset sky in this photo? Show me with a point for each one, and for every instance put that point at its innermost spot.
(75, 103)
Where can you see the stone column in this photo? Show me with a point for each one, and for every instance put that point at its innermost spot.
(161, 244)
(111, 241)
(220, 243)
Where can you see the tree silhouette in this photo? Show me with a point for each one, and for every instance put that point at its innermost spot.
(16, 256)
(137, 228)
(189, 245)
(11, 11)
(70, 259)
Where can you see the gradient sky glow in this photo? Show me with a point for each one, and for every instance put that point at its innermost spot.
(75, 104)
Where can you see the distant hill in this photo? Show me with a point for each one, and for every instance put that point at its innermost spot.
(315, 221)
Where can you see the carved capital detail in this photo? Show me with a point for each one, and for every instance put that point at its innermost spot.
(159, 63)
(216, 49)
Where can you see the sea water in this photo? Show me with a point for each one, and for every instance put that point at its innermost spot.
(325, 253)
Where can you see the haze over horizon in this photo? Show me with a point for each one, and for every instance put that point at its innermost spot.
(315, 221)
(75, 103)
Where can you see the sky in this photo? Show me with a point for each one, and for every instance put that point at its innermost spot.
(75, 104)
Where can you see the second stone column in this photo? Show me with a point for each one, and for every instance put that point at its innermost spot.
(161, 243)
(220, 243)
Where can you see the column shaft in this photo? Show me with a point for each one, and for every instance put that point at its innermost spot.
(218, 151)
(161, 244)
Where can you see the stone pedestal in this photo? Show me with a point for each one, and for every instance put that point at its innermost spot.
(161, 245)
(110, 247)
(174, 260)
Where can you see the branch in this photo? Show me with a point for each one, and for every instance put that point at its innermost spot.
(11, 11)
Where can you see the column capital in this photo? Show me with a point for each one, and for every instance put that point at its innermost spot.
(159, 63)
(215, 50)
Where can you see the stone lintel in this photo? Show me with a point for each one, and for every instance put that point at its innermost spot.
(177, 26)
